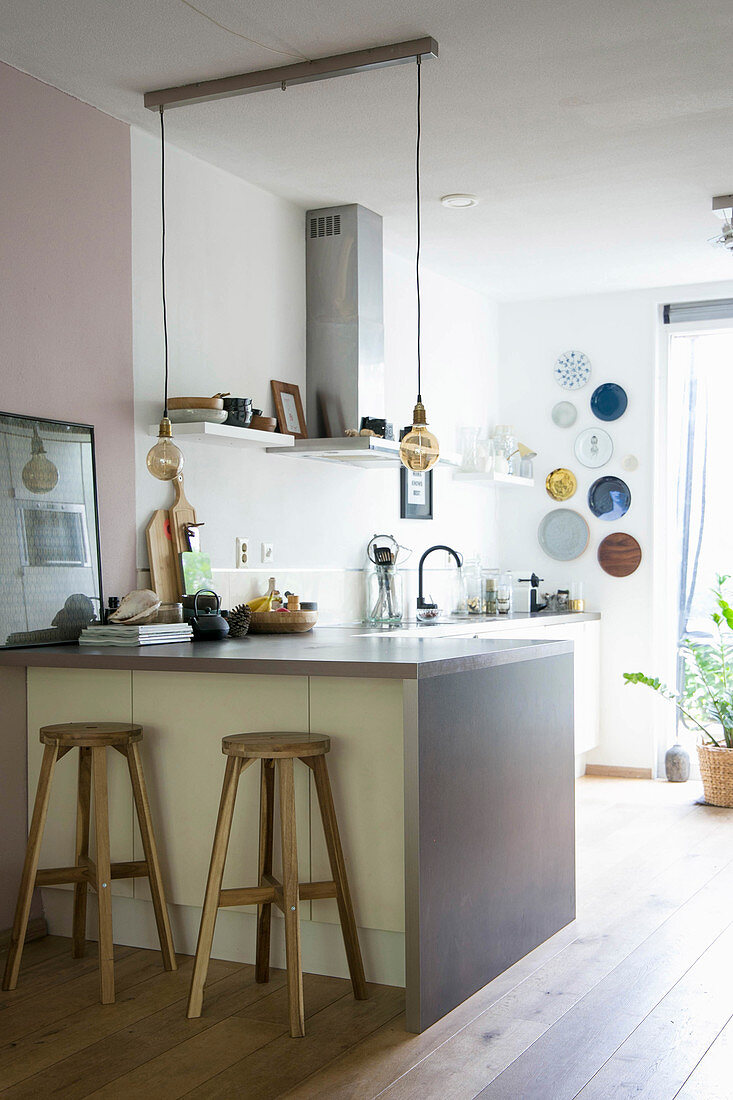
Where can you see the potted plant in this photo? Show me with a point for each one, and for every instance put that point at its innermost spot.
(707, 699)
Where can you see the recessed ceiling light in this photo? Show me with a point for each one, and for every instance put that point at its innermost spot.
(459, 202)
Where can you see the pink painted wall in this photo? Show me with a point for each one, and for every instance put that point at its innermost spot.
(65, 287)
(65, 339)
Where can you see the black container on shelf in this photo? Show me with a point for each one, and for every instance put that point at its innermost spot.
(239, 411)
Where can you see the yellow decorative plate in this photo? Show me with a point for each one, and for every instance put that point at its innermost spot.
(561, 484)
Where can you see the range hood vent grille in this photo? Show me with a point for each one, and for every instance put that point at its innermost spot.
(328, 225)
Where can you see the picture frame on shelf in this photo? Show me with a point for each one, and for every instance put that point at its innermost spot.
(416, 494)
(289, 409)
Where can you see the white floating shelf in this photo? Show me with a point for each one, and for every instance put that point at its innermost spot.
(492, 478)
(227, 434)
(366, 451)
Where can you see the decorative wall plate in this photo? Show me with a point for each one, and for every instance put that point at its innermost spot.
(572, 370)
(630, 463)
(563, 534)
(561, 484)
(609, 498)
(593, 447)
(564, 414)
(609, 401)
(619, 554)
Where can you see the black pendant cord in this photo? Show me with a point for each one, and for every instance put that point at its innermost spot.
(162, 257)
(417, 254)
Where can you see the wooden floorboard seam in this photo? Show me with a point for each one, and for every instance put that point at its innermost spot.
(693, 1071)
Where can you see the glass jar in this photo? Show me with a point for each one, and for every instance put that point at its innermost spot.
(505, 446)
(474, 590)
(490, 581)
(504, 594)
(384, 595)
(471, 458)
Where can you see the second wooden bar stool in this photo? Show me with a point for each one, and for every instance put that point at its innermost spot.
(241, 751)
(92, 740)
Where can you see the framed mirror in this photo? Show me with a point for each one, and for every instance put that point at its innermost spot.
(50, 571)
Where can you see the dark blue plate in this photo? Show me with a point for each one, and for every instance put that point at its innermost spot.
(609, 401)
(609, 498)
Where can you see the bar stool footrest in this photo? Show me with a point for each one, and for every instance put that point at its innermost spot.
(272, 894)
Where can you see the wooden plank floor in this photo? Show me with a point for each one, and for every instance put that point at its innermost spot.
(634, 1000)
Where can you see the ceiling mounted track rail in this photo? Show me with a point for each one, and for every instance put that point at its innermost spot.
(303, 72)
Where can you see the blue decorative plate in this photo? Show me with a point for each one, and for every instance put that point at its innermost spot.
(609, 401)
(572, 370)
(609, 498)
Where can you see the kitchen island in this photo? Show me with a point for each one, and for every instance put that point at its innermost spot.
(452, 768)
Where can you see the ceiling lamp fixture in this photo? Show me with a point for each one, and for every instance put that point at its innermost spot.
(164, 460)
(723, 207)
(459, 202)
(419, 449)
(39, 473)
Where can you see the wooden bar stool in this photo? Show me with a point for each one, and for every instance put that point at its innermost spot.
(92, 740)
(242, 750)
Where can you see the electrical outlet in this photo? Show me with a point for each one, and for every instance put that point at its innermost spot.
(268, 553)
(243, 552)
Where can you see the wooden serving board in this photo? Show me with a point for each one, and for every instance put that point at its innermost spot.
(164, 570)
(282, 622)
(181, 513)
(619, 554)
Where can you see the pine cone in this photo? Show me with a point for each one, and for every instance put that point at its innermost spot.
(239, 620)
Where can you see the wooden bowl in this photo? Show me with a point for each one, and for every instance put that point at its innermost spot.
(264, 423)
(195, 403)
(282, 622)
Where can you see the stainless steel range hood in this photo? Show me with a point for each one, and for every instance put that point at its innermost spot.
(345, 374)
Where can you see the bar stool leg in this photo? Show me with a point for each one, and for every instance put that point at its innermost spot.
(264, 912)
(142, 805)
(30, 866)
(213, 885)
(79, 927)
(104, 880)
(338, 871)
(291, 905)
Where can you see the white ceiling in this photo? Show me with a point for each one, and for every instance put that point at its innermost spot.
(594, 132)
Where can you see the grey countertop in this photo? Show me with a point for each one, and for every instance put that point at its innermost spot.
(326, 651)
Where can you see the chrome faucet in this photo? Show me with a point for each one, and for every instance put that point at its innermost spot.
(421, 602)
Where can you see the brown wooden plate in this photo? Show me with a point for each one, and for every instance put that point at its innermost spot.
(619, 554)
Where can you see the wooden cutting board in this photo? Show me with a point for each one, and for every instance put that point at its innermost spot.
(181, 513)
(164, 568)
(619, 554)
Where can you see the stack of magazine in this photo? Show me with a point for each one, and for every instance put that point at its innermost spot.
(135, 634)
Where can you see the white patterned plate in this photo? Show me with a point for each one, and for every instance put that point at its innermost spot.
(572, 370)
(564, 414)
(593, 447)
(563, 534)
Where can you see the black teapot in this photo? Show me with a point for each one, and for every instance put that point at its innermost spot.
(208, 625)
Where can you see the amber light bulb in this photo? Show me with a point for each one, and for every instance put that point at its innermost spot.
(165, 460)
(419, 449)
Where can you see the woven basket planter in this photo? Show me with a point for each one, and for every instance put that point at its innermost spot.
(716, 769)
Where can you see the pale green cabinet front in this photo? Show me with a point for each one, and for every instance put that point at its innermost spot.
(185, 716)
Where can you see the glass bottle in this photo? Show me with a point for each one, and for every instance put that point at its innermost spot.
(474, 592)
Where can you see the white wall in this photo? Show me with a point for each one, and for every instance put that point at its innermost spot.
(236, 320)
(621, 335)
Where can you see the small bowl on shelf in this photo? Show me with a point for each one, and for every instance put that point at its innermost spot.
(264, 423)
(197, 416)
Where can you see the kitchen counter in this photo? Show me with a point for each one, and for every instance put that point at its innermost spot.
(407, 652)
(452, 763)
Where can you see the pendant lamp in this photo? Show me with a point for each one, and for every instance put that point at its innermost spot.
(39, 475)
(419, 449)
(165, 460)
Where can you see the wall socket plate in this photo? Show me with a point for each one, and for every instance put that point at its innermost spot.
(243, 552)
(268, 553)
